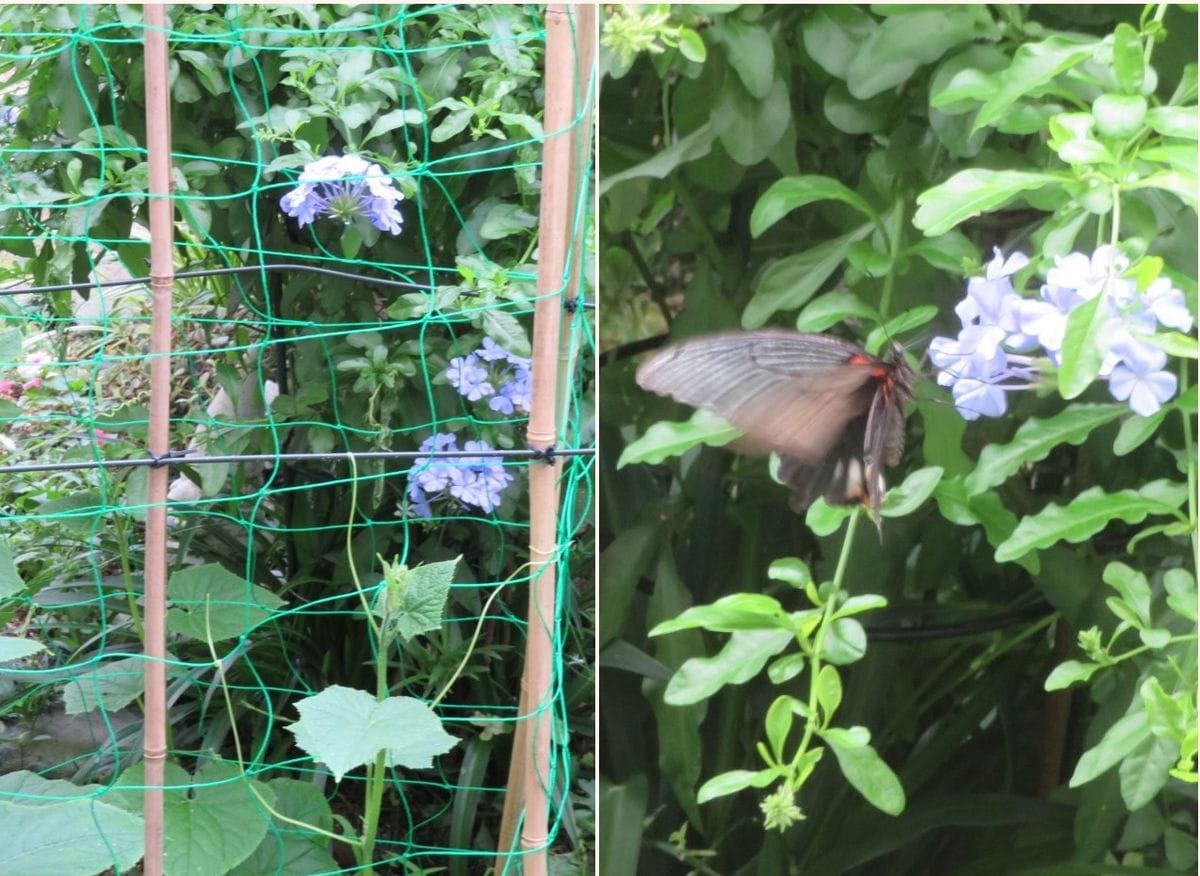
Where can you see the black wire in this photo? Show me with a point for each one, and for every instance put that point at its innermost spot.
(180, 456)
(974, 626)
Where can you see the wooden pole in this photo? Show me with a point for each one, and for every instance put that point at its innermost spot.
(529, 772)
(158, 148)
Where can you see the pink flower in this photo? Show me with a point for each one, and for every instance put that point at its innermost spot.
(33, 383)
(10, 389)
(103, 437)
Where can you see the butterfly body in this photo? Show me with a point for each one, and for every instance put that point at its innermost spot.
(833, 412)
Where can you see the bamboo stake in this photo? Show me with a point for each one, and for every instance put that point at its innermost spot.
(161, 208)
(529, 771)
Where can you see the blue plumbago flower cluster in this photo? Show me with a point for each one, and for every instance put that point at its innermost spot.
(345, 187)
(472, 480)
(493, 373)
(1000, 329)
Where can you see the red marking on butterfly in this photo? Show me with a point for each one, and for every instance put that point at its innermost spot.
(833, 412)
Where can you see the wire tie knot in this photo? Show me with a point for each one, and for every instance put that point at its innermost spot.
(546, 454)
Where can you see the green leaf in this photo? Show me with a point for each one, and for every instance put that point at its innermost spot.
(346, 728)
(1173, 121)
(1070, 672)
(507, 331)
(1145, 771)
(1034, 440)
(1133, 587)
(868, 774)
(691, 46)
(788, 283)
(845, 642)
(665, 439)
(750, 53)
(834, 307)
(695, 145)
(900, 324)
(909, 496)
(1089, 513)
(82, 837)
(792, 192)
(734, 781)
(741, 659)
(833, 34)
(1135, 431)
(1181, 593)
(213, 820)
(1129, 63)
(11, 347)
(1117, 743)
(1176, 344)
(17, 648)
(413, 601)
(10, 578)
(908, 39)
(390, 121)
(749, 127)
(825, 519)
(1034, 65)
(947, 252)
(504, 220)
(859, 604)
(791, 571)
(230, 605)
(829, 692)
(1119, 116)
(111, 686)
(285, 850)
(738, 611)
(778, 724)
(971, 192)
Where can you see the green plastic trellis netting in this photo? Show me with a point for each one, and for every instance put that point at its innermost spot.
(320, 334)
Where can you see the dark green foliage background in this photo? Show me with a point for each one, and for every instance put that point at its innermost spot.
(962, 719)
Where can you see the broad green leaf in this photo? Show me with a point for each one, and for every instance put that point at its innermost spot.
(829, 691)
(906, 498)
(1034, 65)
(749, 127)
(750, 52)
(738, 611)
(905, 41)
(1145, 771)
(859, 604)
(778, 724)
(625, 561)
(211, 601)
(1176, 344)
(734, 781)
(825, 519)
(1117, 743)
(971, 192)
(620, 831)
(346, 728)
(214, 820)
(1133, 587)
(1135, 431)
(1119, 116)
(1128, 61)
(81, 837)
(413, 601)
(17, 648)
(1035, 439)
(77, 512)
(287, 851)
(505, 220)
(1173, 121)
(832, 35)
(695, 145)
(900, 324)
(110, 686)
(741, 659)
(10, 578)
(665, 439)
(867, 773)
(1070, 672)
(1181, 593)
(390, 121)
(792, 571)
(793, 280)
(792, 192)
(691, 46)
(947, 252)
(507, 331)
(845, 642)
(853, 116)
(1089, 513)
(832, 308)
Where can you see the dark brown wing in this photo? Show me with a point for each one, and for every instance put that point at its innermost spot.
(789, 392)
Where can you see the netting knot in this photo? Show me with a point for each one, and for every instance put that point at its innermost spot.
(545, 454)
(158, 460)
(570, 305)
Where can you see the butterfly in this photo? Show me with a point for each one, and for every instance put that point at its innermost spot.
(833, 412)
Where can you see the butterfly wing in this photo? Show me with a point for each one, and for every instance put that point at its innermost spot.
(789, 392)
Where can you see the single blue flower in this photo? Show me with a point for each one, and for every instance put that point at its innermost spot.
(1139, 377)
(469, 377)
